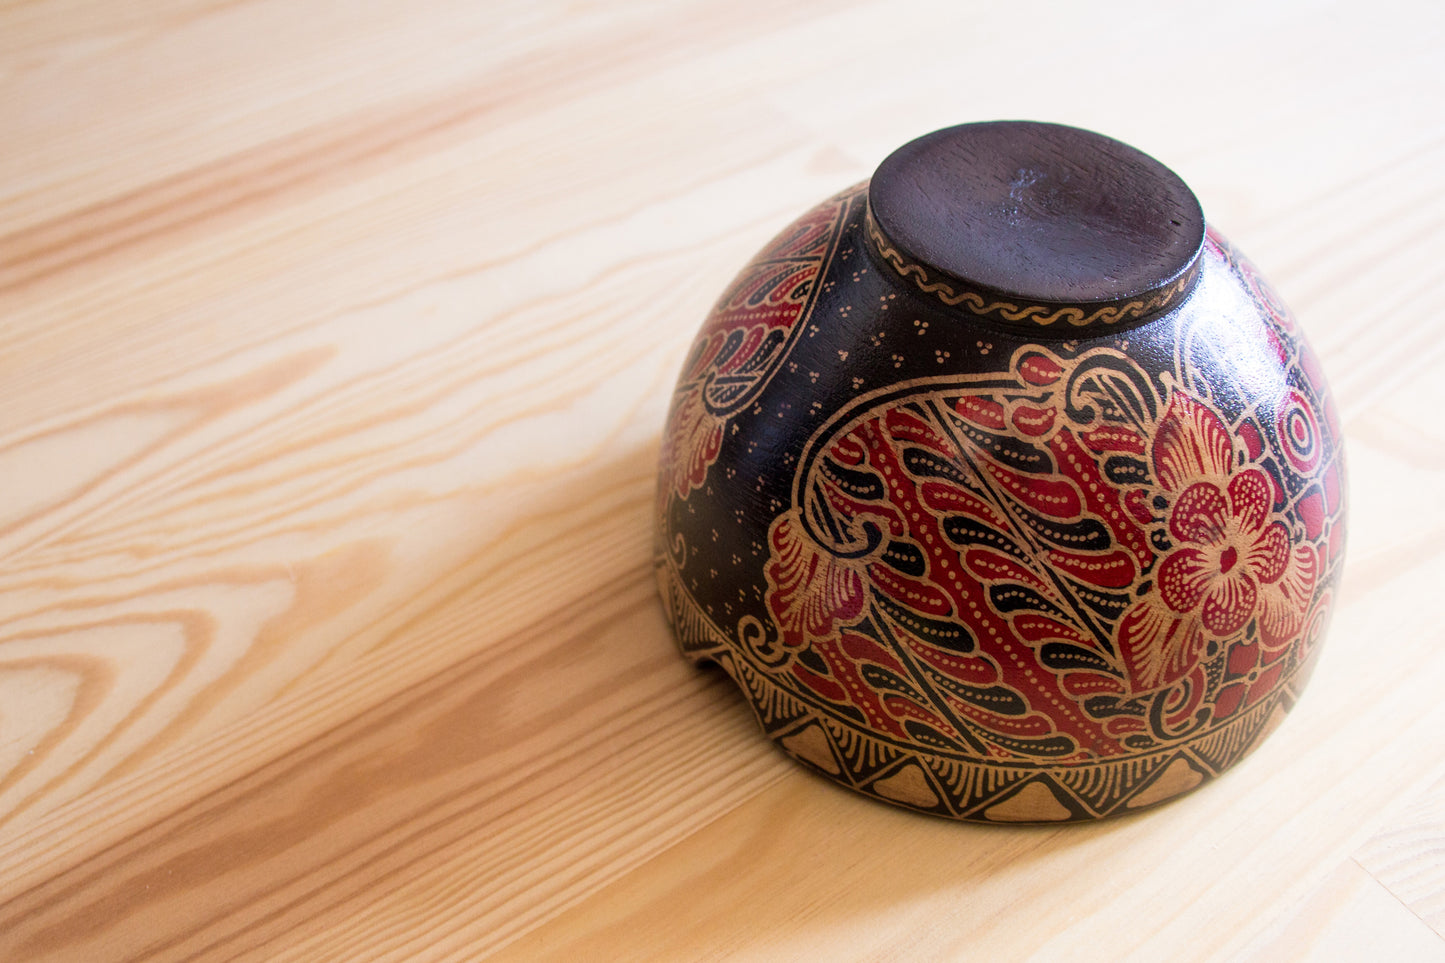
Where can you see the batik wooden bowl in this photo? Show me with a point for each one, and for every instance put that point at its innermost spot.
(1004, 488)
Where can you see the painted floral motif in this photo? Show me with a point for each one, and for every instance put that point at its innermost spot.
(745, 339)
(1057, 554)
(1233, 561)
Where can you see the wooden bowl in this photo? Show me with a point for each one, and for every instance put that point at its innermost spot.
(1004, 488)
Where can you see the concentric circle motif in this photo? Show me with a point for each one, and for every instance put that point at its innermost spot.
(1299, 433)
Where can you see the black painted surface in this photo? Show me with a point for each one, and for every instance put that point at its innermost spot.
(1040, 212)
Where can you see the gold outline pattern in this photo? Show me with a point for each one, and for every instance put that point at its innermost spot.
(956, 786)
(1042, 315)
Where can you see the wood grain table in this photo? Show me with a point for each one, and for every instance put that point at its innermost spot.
(335, 344)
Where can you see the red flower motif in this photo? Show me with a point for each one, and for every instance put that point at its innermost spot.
(1228, 548)
(1232, 559)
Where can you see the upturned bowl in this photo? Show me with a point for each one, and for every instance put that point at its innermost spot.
(1004, 487)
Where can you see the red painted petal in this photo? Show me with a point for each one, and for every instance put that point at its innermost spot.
(1184, 577)
(1242, 658)
(1033, 627)
(1040, 369)
(694, 438)
(809, 591)
(918, 594)
(858, 690)
(1283, 603)
(1250, 498)
(859, 647)
(1158, 647)
(991, 566)
(1200, 514)
(1269, 555)
(1249, 434)
(1228, 699)
(1191, 443)
(1264, 684)
(1229, 604)
(1311, 510)
(1033, 421)
(1121, 726)
(984, 412)
(947, 498)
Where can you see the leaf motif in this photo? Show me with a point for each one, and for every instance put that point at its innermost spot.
(1191, 444)
(691, 445)
(1159, 648)
(810, 591)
